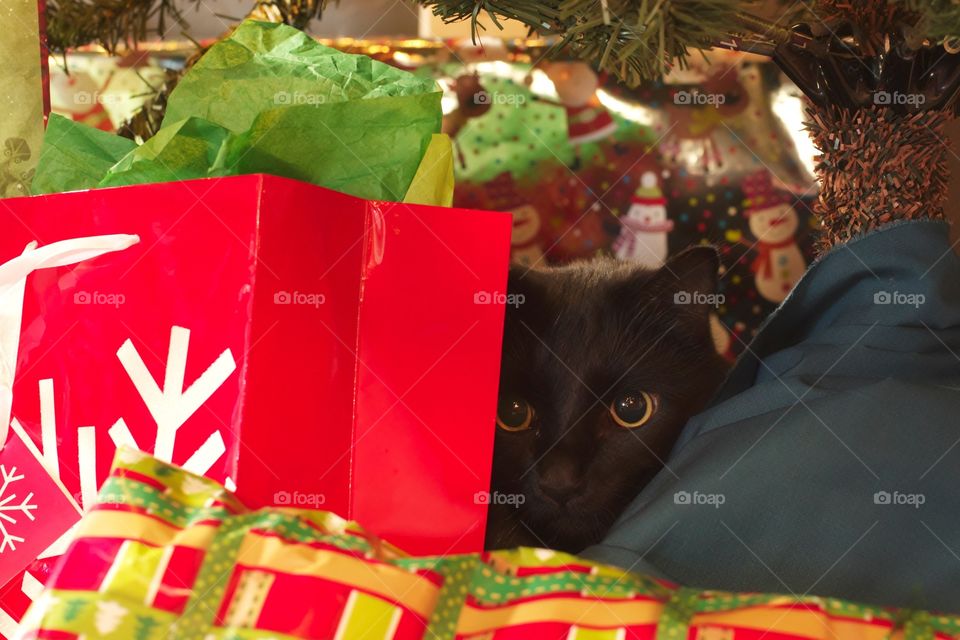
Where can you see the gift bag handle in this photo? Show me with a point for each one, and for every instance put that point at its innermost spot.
(13, 277)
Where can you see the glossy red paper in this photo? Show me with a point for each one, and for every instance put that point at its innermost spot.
(313, 348)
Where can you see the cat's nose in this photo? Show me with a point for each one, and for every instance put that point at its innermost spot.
(559, 481)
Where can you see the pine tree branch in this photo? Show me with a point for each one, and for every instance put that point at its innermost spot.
(109, 23)
(640, 40)
(116, 23)
(939, 19)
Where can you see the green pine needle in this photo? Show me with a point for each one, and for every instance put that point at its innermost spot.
(109, 23)
(641, 40)
(114, 23)
(644, 37)
(939, 19)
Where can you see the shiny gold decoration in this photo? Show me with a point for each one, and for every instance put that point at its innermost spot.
(21, 96)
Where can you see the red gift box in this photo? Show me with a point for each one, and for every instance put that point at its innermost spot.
(313, 348)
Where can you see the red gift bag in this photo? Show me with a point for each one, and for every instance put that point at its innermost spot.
(312, 348)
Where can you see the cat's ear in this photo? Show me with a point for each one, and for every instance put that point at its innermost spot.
(522, 280)
(692, 277)
(694, 269)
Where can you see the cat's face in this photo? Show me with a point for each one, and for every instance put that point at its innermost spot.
(602, 366)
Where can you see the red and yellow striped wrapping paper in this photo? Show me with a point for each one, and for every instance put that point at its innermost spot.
(167, 554)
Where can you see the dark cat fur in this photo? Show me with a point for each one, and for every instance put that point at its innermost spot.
(598, 328)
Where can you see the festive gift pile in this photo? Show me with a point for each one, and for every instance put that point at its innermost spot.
(305, 343)
(169, 554)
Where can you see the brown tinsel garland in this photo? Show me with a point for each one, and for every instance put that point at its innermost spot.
(877, 166)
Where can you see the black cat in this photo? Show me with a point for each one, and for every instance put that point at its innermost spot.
(603, 363)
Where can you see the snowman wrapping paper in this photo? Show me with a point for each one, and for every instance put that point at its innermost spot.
(644, 228)
(588, 167)
(774, 223)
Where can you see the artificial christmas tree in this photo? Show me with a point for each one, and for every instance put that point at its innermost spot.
(115, 24)
(882, 76)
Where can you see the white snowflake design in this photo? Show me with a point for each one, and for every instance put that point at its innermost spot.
(9, 505)
(168, 401)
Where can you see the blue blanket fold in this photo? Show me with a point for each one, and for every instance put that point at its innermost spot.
(829, 462)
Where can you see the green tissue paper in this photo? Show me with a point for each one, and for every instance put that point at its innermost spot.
(269, 99)
(76, 156)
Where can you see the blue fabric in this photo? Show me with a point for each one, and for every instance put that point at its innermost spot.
(848, 396)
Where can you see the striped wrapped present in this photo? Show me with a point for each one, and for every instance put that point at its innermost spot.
(168, 554)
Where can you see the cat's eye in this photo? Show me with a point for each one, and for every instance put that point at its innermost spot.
(514, 413)
(632, 410)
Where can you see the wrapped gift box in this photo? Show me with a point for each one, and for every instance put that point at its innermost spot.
(311, 348)
(168, 554)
